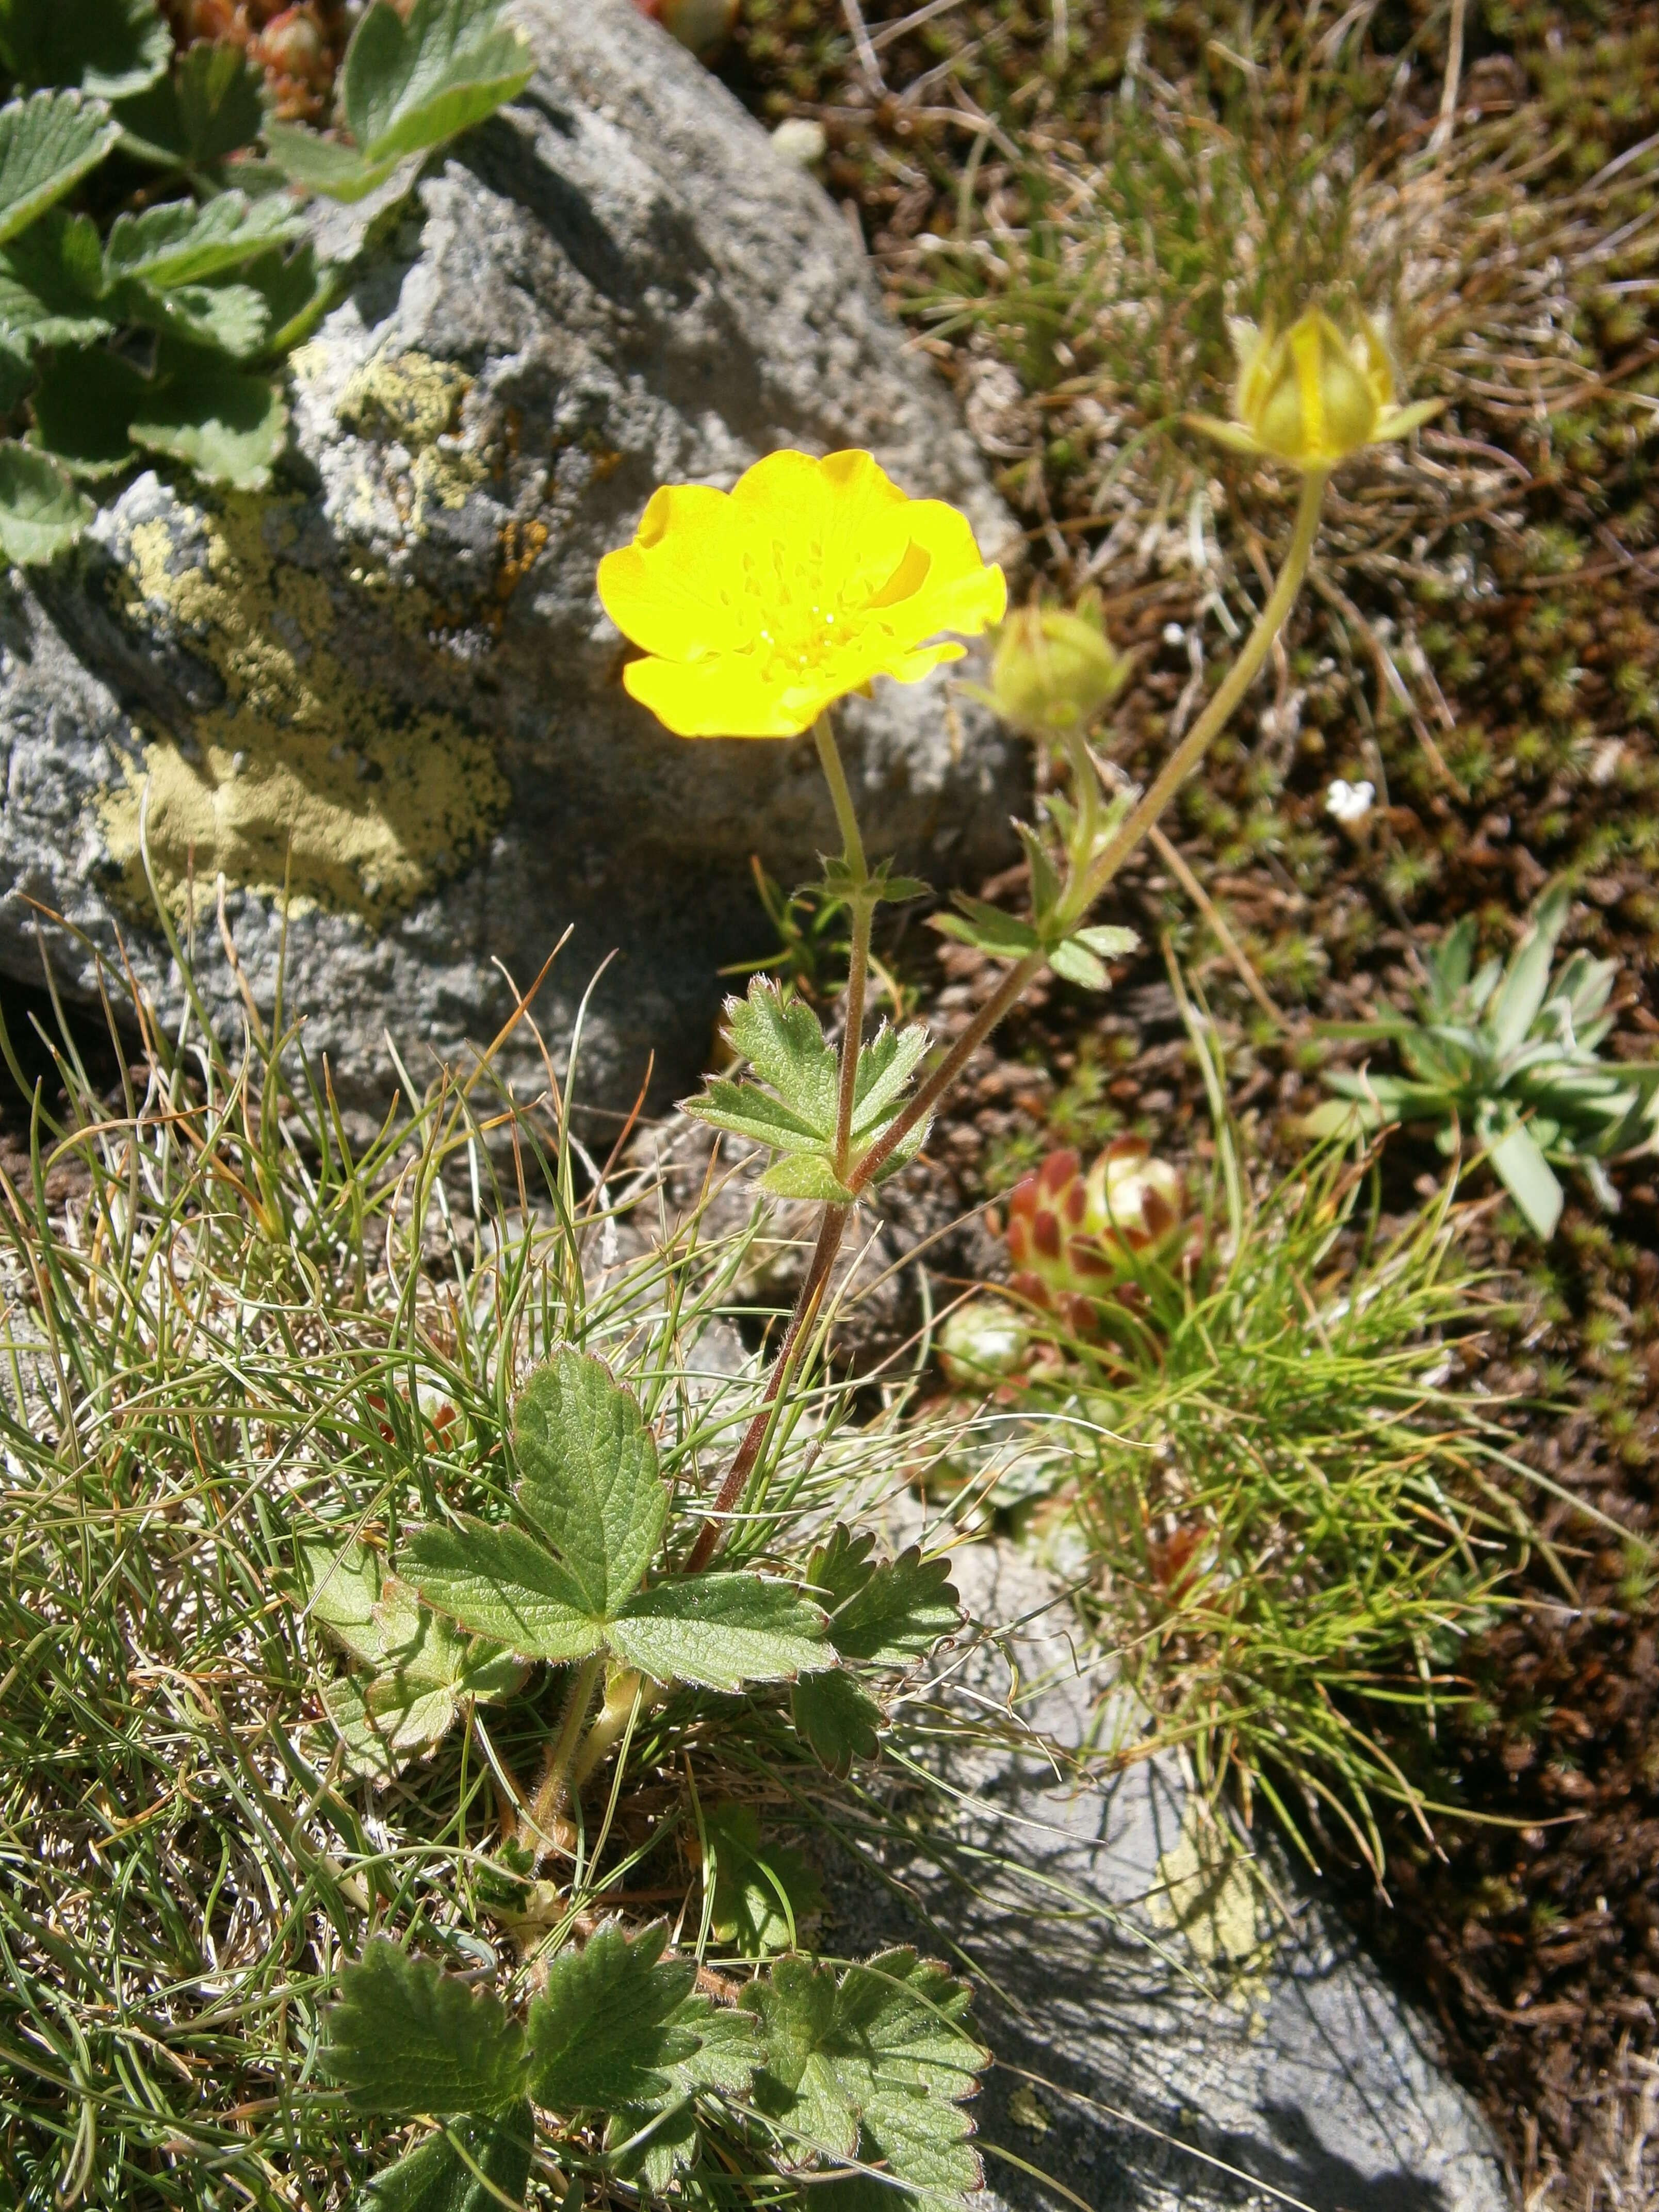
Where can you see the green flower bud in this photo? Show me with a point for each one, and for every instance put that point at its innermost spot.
(1314, 395)
(1053, 672)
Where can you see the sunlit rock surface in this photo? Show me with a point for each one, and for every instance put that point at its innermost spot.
(389, 686)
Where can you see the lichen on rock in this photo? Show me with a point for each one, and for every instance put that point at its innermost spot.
(303, 775)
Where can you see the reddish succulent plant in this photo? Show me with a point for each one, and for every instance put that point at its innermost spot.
(1074, 1238)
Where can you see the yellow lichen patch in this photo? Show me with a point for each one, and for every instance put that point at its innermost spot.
(303, 773)
(408, 396)
(414, 401)
(1206, 1890)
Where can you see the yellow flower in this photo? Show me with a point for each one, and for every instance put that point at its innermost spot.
(1313, 396)
(759, 606)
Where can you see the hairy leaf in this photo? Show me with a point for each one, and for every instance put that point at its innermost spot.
(409, 85)
(41, 513)
(728, 2051)
(47, 145)
(784, 1044)
(873, 2067)
(763, 1891)
(605, 2030)
(887, 1614)
(181, 243)
(502, 1583)
(229, 425)
(405, 2037)
(885, 1066)
(748, 1111)
(105, 47)
(298, 292)
(836, 1717)
(589, 1476)
(722, 1631)
(16, 377)
(421, 1669)
(51, 282)
(435, 2177)
(212, 104)
(988, 928)
(807, 1175)
(227, 318)
(82, 405)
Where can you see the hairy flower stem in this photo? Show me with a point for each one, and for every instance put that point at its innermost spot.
(1084, 886)
(537, 1827)
(863, 913)
(1082, 892)
(830, 1230)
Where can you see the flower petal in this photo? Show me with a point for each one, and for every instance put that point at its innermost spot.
(724, 696)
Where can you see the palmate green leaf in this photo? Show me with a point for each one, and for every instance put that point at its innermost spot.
(407, 88)
(728, 2051)
(807, 1175)
(227, 318)
(211, 105)
(298, 292)
(229, 425)
(51, 282)
(182, 243)
(837, 1719)
(502, 1583)
(421, 1670)
(410, 85)
(85, 399)
(784, 1044)
(608, 2026)
(988, 928)
(885, 1066)
(434, 2177)
(720, 1631)
(873, 2067)
(746, 1110)
(105, 47)
(589, 1477)
(887, 1614)
(319, 165)
(47, 145)
(41, 513)
(405, 2037)
(764, 1891)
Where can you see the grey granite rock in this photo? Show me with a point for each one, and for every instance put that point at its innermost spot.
(390, 681)
(1203, 2031)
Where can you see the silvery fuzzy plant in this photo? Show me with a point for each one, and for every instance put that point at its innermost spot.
(1507, 1055)
(756, 610)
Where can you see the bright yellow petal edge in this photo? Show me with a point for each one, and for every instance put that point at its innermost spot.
(759, 607)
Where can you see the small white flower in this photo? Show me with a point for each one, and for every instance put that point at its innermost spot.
(1349, 802)
(798, 138)
(1174, 634)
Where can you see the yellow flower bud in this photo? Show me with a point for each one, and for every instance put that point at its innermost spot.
(1053, 672)
(1313, 395)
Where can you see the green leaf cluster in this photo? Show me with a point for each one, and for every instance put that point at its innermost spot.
(570, 1581)
(790, 1106)
(869, 2066)
(418, 1669)
(1509, 1054)
(157, 326)
(884, 1616)
(406, 87)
